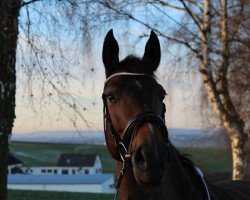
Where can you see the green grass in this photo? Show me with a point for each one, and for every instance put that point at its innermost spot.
(41, 195)
(33, 154)
(210, 160)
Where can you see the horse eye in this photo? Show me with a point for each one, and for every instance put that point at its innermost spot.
(111, 98)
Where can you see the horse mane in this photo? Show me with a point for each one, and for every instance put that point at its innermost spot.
(185, 159)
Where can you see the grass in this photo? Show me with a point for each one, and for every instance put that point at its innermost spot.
(210, 160)
(34, 154)
(213, 161)
(44, 195)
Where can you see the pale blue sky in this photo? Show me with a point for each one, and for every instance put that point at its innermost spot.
(182, 111)
(182, 103)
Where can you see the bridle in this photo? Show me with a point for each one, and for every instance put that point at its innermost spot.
(131, 128)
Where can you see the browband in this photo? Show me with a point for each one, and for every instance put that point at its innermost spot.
(126, 74)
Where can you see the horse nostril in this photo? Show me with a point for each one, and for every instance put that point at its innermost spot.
(147, 165)
(140, 158)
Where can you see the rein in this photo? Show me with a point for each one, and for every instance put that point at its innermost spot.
(131, 129)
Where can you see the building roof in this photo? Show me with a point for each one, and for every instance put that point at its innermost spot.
(77, 160)
(59, 179)
(13, 160)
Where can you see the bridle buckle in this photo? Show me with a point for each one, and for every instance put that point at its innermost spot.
(123, 152)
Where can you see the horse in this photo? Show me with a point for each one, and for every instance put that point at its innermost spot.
(147, 164)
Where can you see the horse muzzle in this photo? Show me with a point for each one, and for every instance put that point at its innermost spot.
(149, 161)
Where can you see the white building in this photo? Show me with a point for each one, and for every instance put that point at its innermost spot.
(69, 164)
(97, 183)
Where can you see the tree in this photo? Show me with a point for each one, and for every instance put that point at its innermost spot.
(38, 35)
(204, 28)
(239, 70)
(9, 12)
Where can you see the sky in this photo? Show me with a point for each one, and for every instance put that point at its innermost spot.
(182, 110)
(42, 114)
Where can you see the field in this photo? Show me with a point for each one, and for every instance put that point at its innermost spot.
(210, 160)
(214, 162)
(35, 154)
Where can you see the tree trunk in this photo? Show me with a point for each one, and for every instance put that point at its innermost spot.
(9, 12)
(217, 91)
(239, 155)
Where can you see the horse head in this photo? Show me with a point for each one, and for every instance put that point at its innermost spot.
(134, 110)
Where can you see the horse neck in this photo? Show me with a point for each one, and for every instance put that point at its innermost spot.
(130, 189)
(184, 177)
(179, 183)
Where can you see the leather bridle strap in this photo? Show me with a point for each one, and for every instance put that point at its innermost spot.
(108, 125)
(140, 119)
(126, 74)
(130, 129)
(125, 158)
(108, 122)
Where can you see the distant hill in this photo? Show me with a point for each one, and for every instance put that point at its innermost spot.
(179, 137)
(66, 137)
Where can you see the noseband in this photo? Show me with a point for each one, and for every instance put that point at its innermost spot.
(131, 128)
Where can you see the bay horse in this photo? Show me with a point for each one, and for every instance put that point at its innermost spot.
(148, 166)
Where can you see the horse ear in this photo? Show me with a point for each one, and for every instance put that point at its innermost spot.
(110, 53)
(152, 54)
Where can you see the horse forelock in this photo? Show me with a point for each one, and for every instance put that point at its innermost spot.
(134, 64)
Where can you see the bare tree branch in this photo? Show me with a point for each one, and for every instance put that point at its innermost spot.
(238, 21)
(195, 18)
(170, 5)
(25, 3)
(181, 25)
